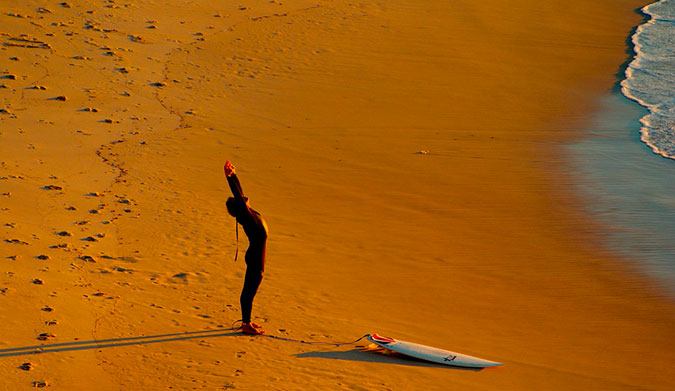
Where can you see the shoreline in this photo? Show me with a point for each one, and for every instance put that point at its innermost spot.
(624, 186)
(403, 199)
(620, 74)
(617, 122)
(654, 125)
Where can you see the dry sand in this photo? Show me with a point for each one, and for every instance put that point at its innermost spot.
(405, 155)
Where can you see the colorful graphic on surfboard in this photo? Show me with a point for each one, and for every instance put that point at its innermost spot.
(429, 353)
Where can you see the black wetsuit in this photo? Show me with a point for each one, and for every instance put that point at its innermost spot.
(256, 231)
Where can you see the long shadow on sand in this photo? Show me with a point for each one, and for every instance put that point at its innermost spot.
(358, 354)
(109, 343)
(377, 356)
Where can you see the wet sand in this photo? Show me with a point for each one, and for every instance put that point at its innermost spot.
(628, 190)
(406, 157)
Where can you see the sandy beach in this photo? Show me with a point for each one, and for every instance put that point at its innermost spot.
(407, 156)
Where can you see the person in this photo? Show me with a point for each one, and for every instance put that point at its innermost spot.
(256, 231)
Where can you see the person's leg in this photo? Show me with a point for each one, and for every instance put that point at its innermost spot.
(252, 281)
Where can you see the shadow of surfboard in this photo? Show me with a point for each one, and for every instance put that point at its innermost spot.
(378, 356)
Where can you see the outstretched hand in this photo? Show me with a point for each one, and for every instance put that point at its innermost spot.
(229, 168)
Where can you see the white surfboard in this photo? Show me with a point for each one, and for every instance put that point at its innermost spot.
(429, 353)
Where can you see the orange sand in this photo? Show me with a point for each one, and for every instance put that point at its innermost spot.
(475, 245)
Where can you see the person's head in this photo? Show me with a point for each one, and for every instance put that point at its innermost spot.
(232, 207)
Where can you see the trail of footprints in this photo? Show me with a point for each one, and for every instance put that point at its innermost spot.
(79, 243)
(74, 249)
(73, 244)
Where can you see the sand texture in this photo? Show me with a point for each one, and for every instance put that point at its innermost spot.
(405, 155)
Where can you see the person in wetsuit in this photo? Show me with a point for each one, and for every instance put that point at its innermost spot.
(256, 231)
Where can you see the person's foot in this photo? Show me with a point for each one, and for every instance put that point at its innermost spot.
(251, 328)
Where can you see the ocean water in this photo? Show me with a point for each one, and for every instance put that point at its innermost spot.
(650, 77)
(626, 186)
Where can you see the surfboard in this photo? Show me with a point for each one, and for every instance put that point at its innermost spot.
(429, 353)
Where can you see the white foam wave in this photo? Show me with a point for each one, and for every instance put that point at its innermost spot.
(650, 77)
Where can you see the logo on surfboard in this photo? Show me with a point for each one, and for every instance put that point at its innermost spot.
(381, 339)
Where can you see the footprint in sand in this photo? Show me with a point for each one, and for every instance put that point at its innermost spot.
(124, 201)
(98, 209)
(45, 336)
(60, 245)
(26, 366)
(16, 241)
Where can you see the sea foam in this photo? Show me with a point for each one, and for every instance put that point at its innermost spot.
(650, 77)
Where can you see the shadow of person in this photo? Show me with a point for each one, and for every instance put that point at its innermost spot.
(116, 342)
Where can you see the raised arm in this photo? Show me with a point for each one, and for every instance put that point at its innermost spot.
(233, 181)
